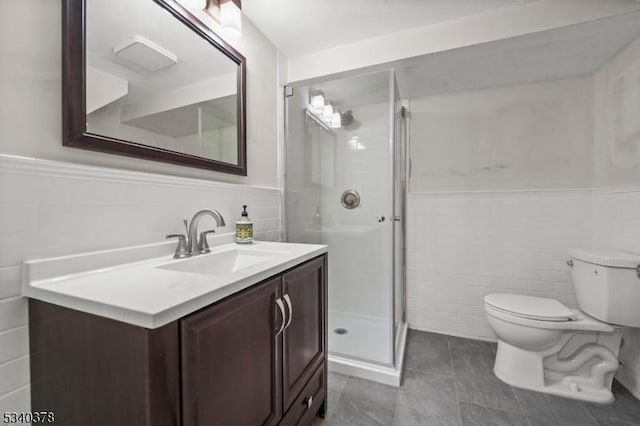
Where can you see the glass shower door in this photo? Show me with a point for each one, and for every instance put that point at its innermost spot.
(326, 170)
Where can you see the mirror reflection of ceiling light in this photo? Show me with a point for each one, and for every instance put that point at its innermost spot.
(145, 54)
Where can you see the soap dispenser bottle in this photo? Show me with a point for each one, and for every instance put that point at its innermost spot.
(244, 228)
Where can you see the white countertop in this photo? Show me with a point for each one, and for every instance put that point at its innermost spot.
(141, 292)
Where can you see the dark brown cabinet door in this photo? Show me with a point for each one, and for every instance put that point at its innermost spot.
(304, 341)
(232, 361)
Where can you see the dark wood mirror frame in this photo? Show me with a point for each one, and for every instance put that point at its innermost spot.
(74, 117)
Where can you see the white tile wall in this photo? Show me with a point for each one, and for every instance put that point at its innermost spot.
(462, 246)
(51, 209)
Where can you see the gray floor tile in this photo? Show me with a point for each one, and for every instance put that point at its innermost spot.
(471, 344)
(625, 411)
(476, 382)
(365, 403)
(543, 410)
(450, 381)
(428, 353)
(476, 415)
(335, 386)
(426, 399)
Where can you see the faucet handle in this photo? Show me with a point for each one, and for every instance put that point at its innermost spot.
(204, 245)
(181, 251)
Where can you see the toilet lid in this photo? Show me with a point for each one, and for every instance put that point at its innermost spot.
(537, 308)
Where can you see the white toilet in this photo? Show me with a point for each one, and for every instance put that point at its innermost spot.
(545, 346)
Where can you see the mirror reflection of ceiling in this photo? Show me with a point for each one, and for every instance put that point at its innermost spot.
(151, 80)
(114, 23)
(185, 121)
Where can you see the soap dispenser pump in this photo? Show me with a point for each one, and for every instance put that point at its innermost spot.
(244, 228)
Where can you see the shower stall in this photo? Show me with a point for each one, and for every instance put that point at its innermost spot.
(345, 183)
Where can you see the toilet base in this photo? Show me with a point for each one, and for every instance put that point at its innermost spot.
(541, 371)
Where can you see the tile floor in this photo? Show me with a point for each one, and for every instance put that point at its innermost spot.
(449, 381)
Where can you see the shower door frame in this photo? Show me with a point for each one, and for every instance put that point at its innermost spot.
(400, 224)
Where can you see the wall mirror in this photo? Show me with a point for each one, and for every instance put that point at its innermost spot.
(145, 78)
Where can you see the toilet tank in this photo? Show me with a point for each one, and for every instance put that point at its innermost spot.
(607, 285)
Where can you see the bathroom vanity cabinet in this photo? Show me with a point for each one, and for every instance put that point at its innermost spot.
(239, 361)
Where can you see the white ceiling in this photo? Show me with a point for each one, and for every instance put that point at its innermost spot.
(576, 50)
(572, 51)
(298, 27)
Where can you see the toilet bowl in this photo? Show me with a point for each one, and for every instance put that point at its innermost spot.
(545, 346)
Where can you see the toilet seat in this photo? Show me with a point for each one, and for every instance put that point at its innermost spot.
(574, 320)
(530, 307)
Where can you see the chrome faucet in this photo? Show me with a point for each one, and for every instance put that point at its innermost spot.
(191, 245)
(200, 246)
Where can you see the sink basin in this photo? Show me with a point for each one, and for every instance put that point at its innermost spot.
(222, 263)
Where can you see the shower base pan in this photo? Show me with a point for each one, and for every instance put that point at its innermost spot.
(388, 375)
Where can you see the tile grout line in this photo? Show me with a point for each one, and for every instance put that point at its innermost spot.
(455, 385)
(432, 373)
(492, 375)
(526, 418)
(21, 388)
(591, 416)
(16, 358)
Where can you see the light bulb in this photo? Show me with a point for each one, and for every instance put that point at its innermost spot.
(327, 113)
(231, 20)
(336, 120)
(317, 103)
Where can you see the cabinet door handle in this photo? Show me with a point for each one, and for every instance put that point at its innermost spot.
(308, 401)
(286, 299)
(280, 306)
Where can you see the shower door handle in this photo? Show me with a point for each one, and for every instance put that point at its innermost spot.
(380, 218)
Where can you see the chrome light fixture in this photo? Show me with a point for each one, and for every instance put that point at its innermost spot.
(227, 13)
(322, 108)
(231, 18)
